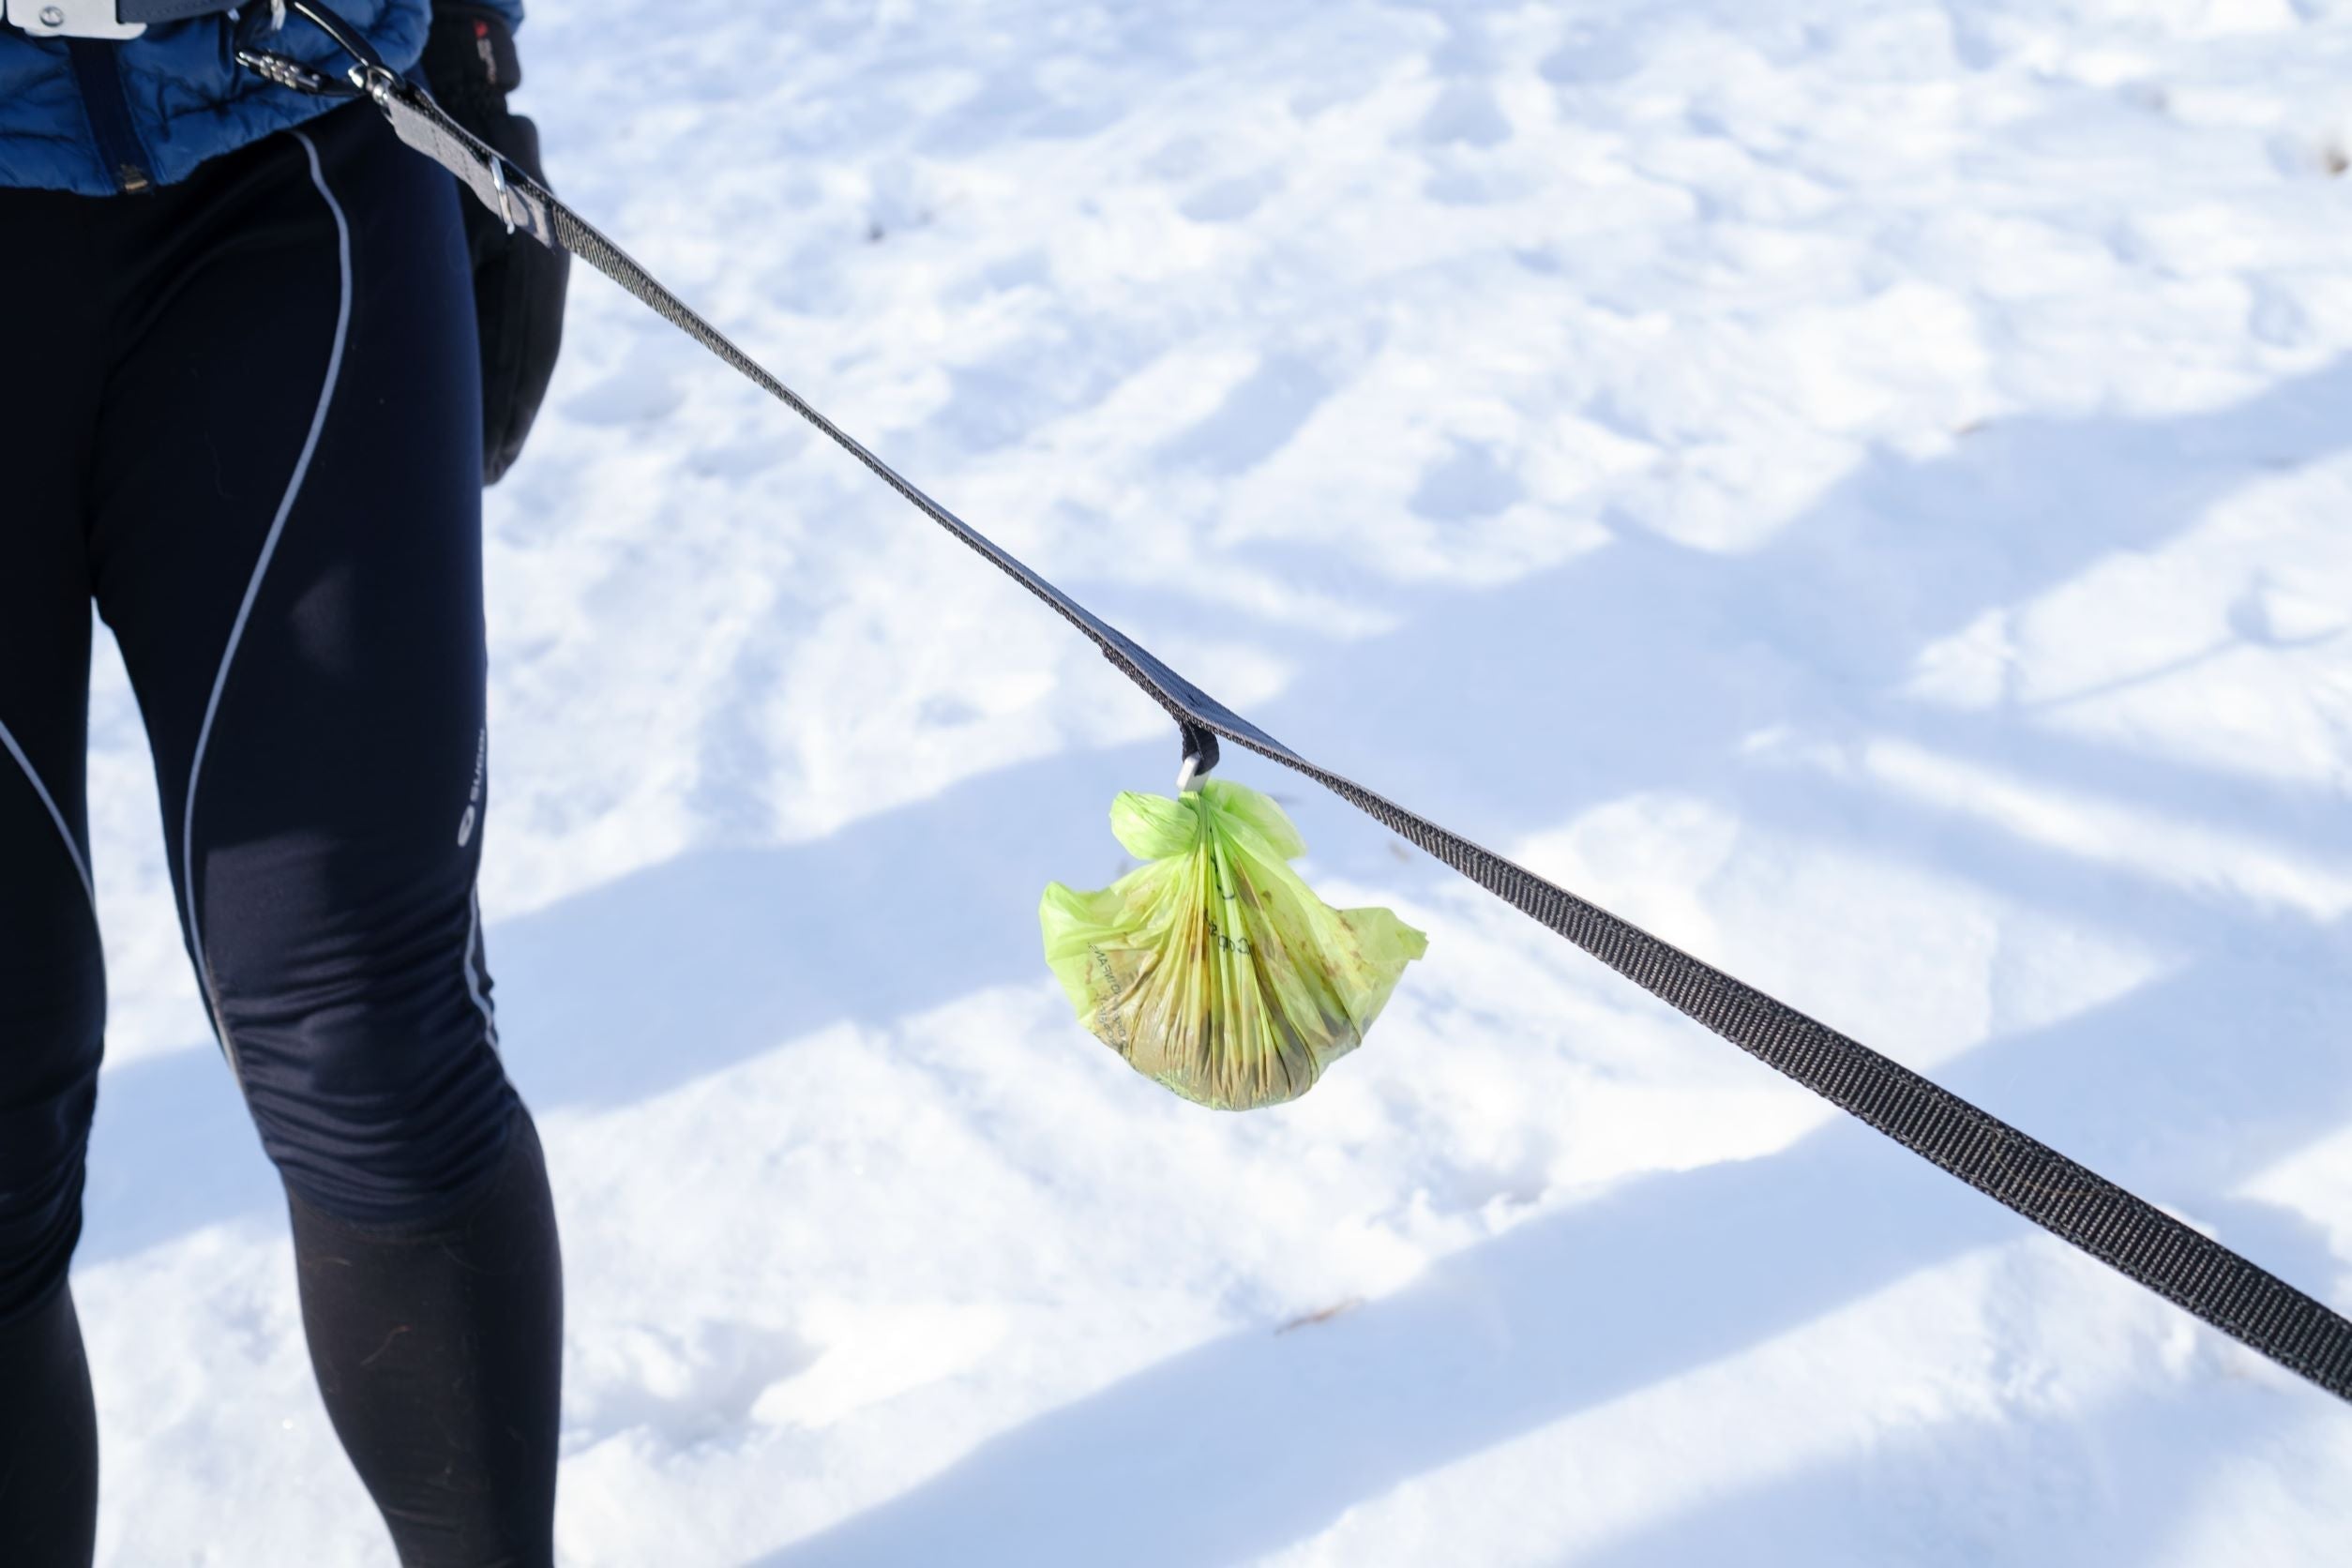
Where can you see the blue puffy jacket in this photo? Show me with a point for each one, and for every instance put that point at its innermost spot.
(99, 118)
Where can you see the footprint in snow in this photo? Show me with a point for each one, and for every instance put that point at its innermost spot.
(1467, 484)
(1229, 200)
(1256, 419)
(1466, 114)
(683, 1386)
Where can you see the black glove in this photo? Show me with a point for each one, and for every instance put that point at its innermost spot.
(470, 66)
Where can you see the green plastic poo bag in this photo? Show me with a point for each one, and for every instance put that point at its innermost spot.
(1214, 969)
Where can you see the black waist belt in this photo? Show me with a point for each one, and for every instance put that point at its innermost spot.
(154, 12)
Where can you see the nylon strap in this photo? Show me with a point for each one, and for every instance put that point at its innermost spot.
(2176, 1261)
(154, 12)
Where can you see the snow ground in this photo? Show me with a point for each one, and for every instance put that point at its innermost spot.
(1859, 488)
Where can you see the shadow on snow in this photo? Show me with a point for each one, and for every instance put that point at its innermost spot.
(1640, 665)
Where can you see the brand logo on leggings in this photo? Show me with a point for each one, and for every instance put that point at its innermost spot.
(474, 797)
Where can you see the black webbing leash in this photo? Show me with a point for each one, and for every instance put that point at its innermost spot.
(2176, 1261)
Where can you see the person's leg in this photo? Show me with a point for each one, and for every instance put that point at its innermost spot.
(53, 984)
(48, 1440)
(288, 547)
(436, 1349)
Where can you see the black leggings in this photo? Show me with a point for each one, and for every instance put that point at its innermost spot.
(242, 416)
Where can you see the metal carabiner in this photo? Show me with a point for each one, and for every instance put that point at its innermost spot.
(1200, 756)
(368, 75)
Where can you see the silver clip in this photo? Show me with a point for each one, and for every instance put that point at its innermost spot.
(1187, 776)
(373, 81)
(498, 179)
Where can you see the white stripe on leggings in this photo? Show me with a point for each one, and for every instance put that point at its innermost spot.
(80, 867)
(472, 980)
(253, 589)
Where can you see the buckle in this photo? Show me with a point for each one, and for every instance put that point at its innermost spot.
(71, 18)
